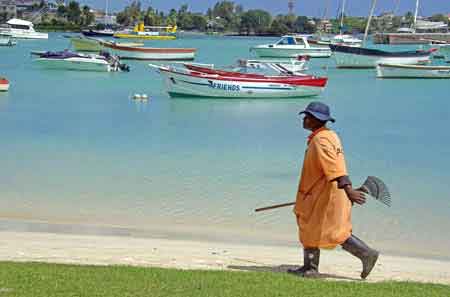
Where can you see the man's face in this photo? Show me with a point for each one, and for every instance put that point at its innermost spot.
(310, 122)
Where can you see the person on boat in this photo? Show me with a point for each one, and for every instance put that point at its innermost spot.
(325, 197)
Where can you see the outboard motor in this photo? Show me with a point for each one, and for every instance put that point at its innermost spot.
(124, 67)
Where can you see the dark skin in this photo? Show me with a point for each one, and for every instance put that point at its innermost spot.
(357, 196)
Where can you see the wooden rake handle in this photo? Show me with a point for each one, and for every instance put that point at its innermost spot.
(274, 206)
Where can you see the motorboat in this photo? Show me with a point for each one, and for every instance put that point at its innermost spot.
(202, 82)
(140, 31)
(7, 40)
(385, 70)
(361, 57)
(102, 33)
(22, 29)
(264, 67)
(291, 46)
(4, 84)
(149, 53)
(68, 60)
(340, 39)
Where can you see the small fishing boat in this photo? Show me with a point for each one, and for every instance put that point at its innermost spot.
(86, 44)
(68, 60)
(291, 46)
(224, 84)
(149, 32)
(4, 84)
(385, 70)
(360, 57)
(7, 40)
(149, 53)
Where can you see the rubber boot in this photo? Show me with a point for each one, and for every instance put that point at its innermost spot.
(310, 268)
(358, 248)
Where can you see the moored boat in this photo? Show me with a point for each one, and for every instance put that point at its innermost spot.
(67, 60)
(359, 57)
(18, 28)
(4, 84)
(186, 82)
(266, 66)
(86, 44)
(385, 70)
(7, 40)
(291, 46)
(101, 33)
(149, 32)
(150, 53)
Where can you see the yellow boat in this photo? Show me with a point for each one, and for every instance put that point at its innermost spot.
(149, 33)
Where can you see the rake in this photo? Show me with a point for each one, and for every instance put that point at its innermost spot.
(372, 186)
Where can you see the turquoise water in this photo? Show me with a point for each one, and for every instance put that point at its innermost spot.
(78, 155)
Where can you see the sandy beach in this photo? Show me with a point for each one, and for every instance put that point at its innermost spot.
(185, 254)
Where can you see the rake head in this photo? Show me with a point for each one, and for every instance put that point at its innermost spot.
(376, 188)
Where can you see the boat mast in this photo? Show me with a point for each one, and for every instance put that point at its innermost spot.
(374, 2)
(413, 26)
(342, 17)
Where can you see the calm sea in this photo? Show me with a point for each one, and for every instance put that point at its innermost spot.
(79, 155)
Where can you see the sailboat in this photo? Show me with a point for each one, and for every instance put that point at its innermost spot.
(107, 32)
(363, 57)
(412, 36)
(341, 38)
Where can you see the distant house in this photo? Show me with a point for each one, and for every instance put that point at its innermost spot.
(7, 10)
(325, 26)
(102, 18)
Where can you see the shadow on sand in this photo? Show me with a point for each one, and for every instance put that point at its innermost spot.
(284, 268)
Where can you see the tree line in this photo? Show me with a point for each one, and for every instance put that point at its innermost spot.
(226, 16)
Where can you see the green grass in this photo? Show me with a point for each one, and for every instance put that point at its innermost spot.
(48, 280)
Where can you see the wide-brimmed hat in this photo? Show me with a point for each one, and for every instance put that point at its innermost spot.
(319, 110)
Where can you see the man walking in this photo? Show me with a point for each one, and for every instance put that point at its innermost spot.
(325, 197)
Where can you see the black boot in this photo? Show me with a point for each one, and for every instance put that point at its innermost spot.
(310, 266)
(358, 248)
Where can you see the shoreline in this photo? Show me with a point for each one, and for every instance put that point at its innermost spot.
(205, 255)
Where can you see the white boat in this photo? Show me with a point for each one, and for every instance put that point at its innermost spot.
(66, 60)
(149, 53)
(265, 66)
(7, 40)
(199, 83)
(412, 71)
(22, 29)
(291, 46)
(4, 84)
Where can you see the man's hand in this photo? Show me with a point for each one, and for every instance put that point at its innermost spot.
(356, 196)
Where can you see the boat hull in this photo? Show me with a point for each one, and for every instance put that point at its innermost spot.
(179, 84)
(353, 57)
(280, 52)
(147, 53)
(412, 71)
(24, 34)
(79, 64)
(4, 85)
(86, 45)
(145, 37)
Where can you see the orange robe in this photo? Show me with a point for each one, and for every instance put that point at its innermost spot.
(323, 211)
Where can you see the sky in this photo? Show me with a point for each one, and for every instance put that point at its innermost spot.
(302, 7)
